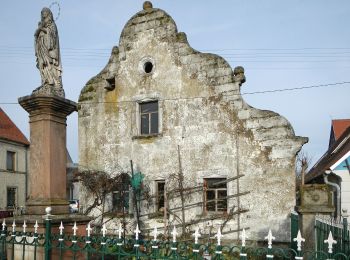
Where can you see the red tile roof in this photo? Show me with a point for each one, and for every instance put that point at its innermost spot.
(339, 126)
(9, 131)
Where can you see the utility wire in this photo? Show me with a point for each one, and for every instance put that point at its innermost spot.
(202, 97)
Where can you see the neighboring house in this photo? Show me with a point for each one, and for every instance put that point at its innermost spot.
(335, 164)
(14, 148)
(171, 109)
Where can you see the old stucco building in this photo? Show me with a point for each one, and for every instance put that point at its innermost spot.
(14, 149)
(161, 103)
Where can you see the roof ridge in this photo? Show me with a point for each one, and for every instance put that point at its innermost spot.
(10, 131)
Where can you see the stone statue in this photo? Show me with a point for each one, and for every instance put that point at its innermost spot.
(48, 59)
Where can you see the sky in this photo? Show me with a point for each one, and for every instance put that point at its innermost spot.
(281, 45)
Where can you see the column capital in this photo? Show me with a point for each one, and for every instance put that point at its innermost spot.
(39, 104)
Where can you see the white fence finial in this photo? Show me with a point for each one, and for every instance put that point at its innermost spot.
(137, 232)
(174, 233)
(36, 227)
(104, 230)
(270, 238)
(243, 237)
(120, 231)
(61, 229)
(75, 228)
(219, 236)
(330, 241)
(3, 225)
(155, 233)
(24, 226)
(14, 226)
(88, 229)
(299, 240)
(196, 235)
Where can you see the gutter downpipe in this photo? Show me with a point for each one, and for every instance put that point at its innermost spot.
(336, 186)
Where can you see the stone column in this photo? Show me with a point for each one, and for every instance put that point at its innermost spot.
(48, 156)
(316, 199)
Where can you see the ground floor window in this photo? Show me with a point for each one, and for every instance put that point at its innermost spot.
(215, 195)
(11, 197)
(121, 196)
(160, 189)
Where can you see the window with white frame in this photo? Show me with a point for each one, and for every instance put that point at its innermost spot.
(215, 195)
(149, 117)
(11, 161)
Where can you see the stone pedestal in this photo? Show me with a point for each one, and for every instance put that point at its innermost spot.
(48, 156)
(316, 199)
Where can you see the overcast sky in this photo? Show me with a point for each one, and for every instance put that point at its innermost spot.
(281, 44)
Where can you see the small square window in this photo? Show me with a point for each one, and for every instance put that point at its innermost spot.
(215, 195)
(149, 118)
(11, 161)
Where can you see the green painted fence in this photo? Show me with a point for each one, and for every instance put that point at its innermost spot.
(15, 244)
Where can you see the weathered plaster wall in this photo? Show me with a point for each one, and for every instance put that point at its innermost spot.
(202, 111)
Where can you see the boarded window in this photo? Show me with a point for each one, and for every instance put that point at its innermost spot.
(215, 195)
(11, 197)
(149, 118)
(10, 161)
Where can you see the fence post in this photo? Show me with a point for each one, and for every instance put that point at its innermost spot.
(3, 241)
(48, 234)
(294, 228)
(345, 233)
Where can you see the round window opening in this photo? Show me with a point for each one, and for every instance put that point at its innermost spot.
(148, 67)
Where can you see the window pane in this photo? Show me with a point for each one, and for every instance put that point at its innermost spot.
(145, 124)
(120, 201)
(210, 203)
(10, 161)
(222, 200)
(11, 197)
(154, 123)
(149, 107)
(160, 193)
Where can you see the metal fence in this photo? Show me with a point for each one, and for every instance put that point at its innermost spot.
(339, 229)
(21, 244)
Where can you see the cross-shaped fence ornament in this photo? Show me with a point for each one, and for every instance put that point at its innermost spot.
(88, 229)
(270, 238)
(104, 230)
(196, 235)
(219, 236)
(61, 229)
(3, 225)
(75, 228)
(299, 240)
(155, 233)
(330, 241)
(243, 237)
(13, 226)
(174, 233)
(137, 231)
(24, 226)
(120, 231)
(36, 227)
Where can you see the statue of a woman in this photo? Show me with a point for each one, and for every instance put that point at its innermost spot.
(47, 52)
